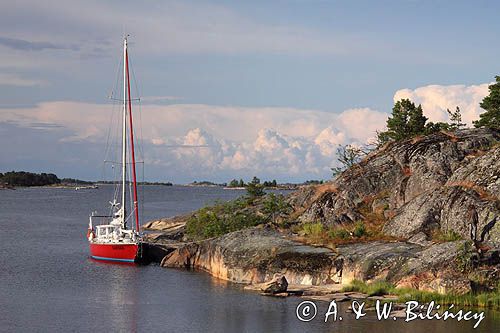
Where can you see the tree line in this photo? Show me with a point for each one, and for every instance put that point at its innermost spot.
(255, 180)
(23, 178)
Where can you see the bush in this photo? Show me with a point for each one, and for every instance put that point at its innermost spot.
(341, 234)
(448, 236)
(463, 259)
(255, 189)
(313, 229)
(275, 206)
(360, 230)
(317, 232)
(220, 219)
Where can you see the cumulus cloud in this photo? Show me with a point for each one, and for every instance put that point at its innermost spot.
(435, 99)
(193, 140)
(328, 139)
(275, 155)
(190, 141)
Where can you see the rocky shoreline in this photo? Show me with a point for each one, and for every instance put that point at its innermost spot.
(256, 255)
(411, 191)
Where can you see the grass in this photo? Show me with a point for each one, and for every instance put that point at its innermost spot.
(453, 137)
(339, 234)
(447, 236)
(319, 191)
(317, 233)
(313, 229)
(379, 288)
(482, 300)
(463, 261)
(480, 190)
(359, 230)
(367, 229)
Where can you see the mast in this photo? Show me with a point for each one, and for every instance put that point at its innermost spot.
(132, 150)
(124, 135)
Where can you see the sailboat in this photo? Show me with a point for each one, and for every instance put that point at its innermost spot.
(112, 239)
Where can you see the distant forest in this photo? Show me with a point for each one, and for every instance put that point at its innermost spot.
(23, 178)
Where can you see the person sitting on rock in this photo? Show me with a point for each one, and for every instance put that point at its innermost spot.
(473, 220)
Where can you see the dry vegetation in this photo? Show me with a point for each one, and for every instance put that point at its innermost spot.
(369, 228)
(481, 191)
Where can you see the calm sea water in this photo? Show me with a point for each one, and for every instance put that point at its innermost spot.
(48, 283)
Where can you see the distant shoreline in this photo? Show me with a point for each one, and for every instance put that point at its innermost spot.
(89, 186)
(18, 179)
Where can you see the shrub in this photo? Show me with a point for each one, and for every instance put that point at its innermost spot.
(220, 219)
(275, 206)
(360, 230)
(255, 189)
(313, 229)
(463, 259)
(341, 234)
(448, 236)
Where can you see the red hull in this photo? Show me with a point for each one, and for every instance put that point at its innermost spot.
(114, 252)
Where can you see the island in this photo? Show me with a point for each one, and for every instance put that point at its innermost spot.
(13, 179)
(240, 184)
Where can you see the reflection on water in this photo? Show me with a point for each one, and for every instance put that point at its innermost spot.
(48, 283)
(122, 294)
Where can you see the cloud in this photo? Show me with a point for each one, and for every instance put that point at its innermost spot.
(18, 81)
(21, 44)
(362, 122)
(183, 142)
(44, 126)
(159, 99)
(233, 123)
(328, 139)
(189, 141)
(171, 27)
(435, 99)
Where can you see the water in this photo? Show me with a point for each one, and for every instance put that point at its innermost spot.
(48, 283)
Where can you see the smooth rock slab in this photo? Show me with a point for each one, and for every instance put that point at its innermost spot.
(254, 255)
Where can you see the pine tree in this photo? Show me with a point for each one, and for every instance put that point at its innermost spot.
(406, 121)
(491, 103)
(455, 119)
(255, 188)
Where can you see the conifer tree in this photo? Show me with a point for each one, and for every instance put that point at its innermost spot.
(407, 120)
(491, 103)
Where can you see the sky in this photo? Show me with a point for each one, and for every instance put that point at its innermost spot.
(266, 88)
